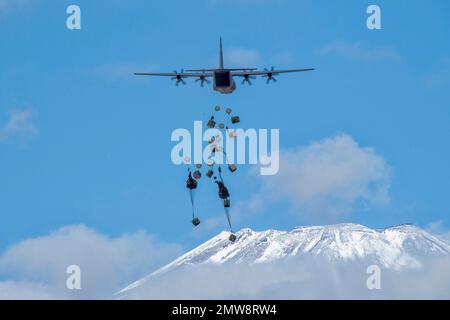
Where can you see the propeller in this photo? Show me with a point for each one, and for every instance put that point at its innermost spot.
(270, 75)
(247, 79)
(178, 76)
(202, 80)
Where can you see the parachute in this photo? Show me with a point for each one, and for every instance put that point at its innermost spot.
(211, 123)
(197, 175)
(223, 191)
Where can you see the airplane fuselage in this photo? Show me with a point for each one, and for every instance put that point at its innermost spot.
(223, 81)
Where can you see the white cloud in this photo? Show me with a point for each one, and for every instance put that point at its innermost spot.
(325, 180)
(37, 267)
(219, 222)
(438, 228)
(242, 57)
(210, 224)
(21, 290)
(8, 5)
(239, 57)
(297, 278)
(360, 52)
(19, 127)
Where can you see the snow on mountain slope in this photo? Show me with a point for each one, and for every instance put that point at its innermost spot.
(395, 248)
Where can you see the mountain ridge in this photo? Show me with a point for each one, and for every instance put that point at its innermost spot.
(398, 247)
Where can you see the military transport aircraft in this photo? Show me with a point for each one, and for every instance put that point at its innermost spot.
(223, 77)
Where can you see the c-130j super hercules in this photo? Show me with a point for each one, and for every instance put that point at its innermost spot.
(223, 78)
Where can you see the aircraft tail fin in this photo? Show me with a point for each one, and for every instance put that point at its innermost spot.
(221, 54)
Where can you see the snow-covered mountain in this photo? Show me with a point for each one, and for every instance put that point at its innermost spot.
(396, 248)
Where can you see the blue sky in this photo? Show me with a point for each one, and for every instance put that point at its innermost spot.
(93, 145)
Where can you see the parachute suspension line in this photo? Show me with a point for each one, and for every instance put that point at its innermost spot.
(220, 173)
(191, 195)
(226, 201)
(226, 125)
(191, 184)
(232, 167)
(226, 157)
(227, 212)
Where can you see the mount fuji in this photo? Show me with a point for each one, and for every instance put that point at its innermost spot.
(397, 248)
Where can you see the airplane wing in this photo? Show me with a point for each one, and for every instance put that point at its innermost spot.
(267, 72)
(174, 74)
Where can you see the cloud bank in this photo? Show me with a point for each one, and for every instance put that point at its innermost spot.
(358, 51)
(297, 278)
(36, 268)
(327, 179)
